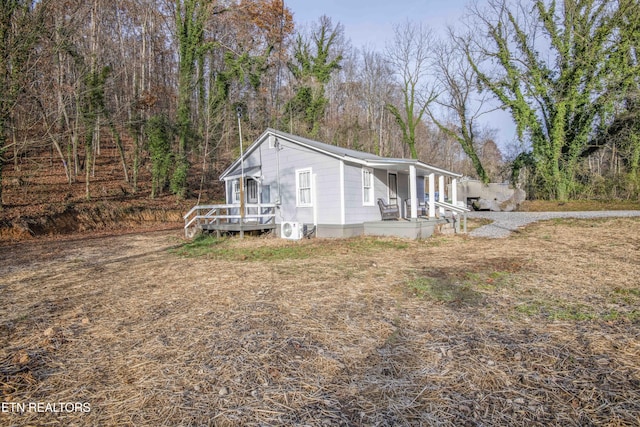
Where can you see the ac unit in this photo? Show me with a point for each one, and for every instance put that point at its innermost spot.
(291, 230)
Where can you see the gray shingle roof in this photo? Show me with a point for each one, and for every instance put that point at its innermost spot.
(368, 159)
(334, 149)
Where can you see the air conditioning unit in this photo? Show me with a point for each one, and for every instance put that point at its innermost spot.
(291, 230)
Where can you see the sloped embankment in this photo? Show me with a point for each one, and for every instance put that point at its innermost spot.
(88, 218)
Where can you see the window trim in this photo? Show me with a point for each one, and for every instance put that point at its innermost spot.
(235, 191)
(389, 188)
(368, 190)
(299, 173)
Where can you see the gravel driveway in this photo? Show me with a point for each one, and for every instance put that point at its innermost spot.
(506, 222)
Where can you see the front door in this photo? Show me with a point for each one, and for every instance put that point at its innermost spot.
(252, 190)
(252, 198)
(393, 189)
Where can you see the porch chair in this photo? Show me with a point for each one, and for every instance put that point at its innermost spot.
(422, 208)
(388, 211)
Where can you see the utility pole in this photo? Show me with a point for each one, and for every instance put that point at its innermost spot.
(239, 113)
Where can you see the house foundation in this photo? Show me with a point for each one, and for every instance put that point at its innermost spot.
(421, 229)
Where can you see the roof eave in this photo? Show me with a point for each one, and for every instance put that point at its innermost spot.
(410, 162)
(246, 153)
(376, 162)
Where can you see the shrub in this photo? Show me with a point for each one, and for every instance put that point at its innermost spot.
(159, 134)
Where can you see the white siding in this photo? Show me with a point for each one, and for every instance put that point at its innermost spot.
(355, 211)
(291, 158)
(326, 170)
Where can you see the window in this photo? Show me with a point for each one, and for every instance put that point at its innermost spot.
(367, 187)
(303, 187)
(235, 191)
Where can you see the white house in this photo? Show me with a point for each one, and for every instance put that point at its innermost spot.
(331, 190)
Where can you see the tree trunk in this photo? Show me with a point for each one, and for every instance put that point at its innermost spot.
(118, 141)
(88, 160)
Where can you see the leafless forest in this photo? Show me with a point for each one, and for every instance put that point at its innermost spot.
(147, 92)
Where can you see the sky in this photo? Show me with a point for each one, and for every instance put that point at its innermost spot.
(369, 23)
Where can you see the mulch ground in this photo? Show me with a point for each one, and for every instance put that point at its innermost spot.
(541, 328)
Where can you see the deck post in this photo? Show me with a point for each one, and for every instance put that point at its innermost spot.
(242, 201)
(432, 199)
(454, 191)
(259, 200)
(217, 222)
(413, 192)
(441, 193)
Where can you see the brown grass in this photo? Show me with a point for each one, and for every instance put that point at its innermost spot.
(261, 331)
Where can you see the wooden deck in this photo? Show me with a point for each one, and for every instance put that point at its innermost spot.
(227, 227)
(229, 218)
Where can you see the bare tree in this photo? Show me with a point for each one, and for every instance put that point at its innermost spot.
(409, 56)
(19, 32)
(377, 86)
(459, 97)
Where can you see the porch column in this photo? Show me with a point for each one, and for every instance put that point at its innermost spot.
(441, 193)
(260, 219)
(432, 196)
(343, 215)
(454, 191)
(413, 192)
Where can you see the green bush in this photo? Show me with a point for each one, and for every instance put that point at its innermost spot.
(159, 135)
(178, 184)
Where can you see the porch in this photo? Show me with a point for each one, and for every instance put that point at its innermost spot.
(418, 190)
(420, 229)
(425, 199)
(445, 217)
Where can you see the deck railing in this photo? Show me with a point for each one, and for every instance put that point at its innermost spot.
(457, 210)
(202, 215)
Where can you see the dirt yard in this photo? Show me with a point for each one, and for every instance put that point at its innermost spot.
(542, 328)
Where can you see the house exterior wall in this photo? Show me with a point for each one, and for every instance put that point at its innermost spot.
(381, 190)
(269, 187)
(420, 188)
(327, 188)
(403, 191)
(251, 161)
(356, 212)
(285, 162)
